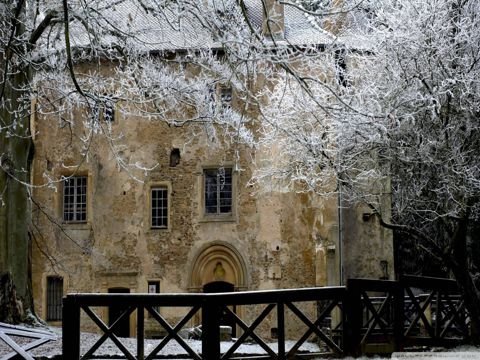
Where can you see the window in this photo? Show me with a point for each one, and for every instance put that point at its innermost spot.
(226, 97)
(75, 199)
(109, 111)
(154, 288)
(317, 6)
(54, 298)
(159, 207)
(104, 108)
(174, 157)
(341, 68)
(218, 191)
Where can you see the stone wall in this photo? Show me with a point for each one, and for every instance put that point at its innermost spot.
(270, 241)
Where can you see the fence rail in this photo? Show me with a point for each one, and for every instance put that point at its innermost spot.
(211, 307)
(438, 317)
(366, 316)
(375, 320)
(37, 337)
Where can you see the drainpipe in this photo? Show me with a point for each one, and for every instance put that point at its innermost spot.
(340, 233)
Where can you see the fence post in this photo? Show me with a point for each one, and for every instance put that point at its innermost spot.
(354, 317)
(281, 330)
(140, 332)
(345, 336)
(399, 311)
(211, 312)
(70, 328)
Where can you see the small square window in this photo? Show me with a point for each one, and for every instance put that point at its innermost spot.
(159, 207)
(104, 109)
(75, 199)
(154, 288)
(226, 96)
(54, 298)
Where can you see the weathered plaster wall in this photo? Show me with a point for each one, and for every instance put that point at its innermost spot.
(274, 235)
(281, 240)
(362, 256)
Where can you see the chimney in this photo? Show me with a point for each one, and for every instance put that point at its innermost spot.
(273, 25)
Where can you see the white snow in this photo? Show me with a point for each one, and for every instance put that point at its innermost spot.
(54, 348)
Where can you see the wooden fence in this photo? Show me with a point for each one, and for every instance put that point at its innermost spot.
(366, 316)
(34, 338)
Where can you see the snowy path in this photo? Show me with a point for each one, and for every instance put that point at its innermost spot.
(54, 348)
(172, 348)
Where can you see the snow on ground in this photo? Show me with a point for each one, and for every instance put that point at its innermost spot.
(54, 348)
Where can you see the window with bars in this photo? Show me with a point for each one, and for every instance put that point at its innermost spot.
(159, 207)
(75, 199)
(218, 191)
(54, 298)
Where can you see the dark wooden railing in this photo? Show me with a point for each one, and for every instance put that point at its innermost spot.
(437, 317)
(375, 314)
(367, 316)
(211, 306)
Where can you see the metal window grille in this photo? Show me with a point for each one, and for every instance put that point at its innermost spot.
(159, 207)
(54, 298)
(218, 191)
(75, 199)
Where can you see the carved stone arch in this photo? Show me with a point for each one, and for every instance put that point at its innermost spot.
(218, 261)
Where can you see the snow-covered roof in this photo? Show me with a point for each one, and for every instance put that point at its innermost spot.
(174, 28)
(153, 30)
(300, 28)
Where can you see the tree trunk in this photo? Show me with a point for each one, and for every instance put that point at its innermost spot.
(10, 308)
(16, 153)
(15, 211)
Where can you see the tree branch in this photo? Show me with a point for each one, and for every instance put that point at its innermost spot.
(50, 18)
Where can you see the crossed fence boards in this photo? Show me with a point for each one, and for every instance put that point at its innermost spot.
(435, 316)
(439, 316)
(375, 316)
(39, 337)
(211, 307)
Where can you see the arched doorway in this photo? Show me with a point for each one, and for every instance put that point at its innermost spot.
(122, 329)
(218, 267)
(218, 262)
(218, 287)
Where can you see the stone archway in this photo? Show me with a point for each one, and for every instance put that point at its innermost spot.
(215, 262)
(218, 265)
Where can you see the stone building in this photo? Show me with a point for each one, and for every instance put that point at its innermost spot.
(194, 223)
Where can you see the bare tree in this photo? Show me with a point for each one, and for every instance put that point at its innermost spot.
(402, 121)
(386, 107)
(58, 57)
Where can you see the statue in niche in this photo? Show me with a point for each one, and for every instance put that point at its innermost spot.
(219, 272)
